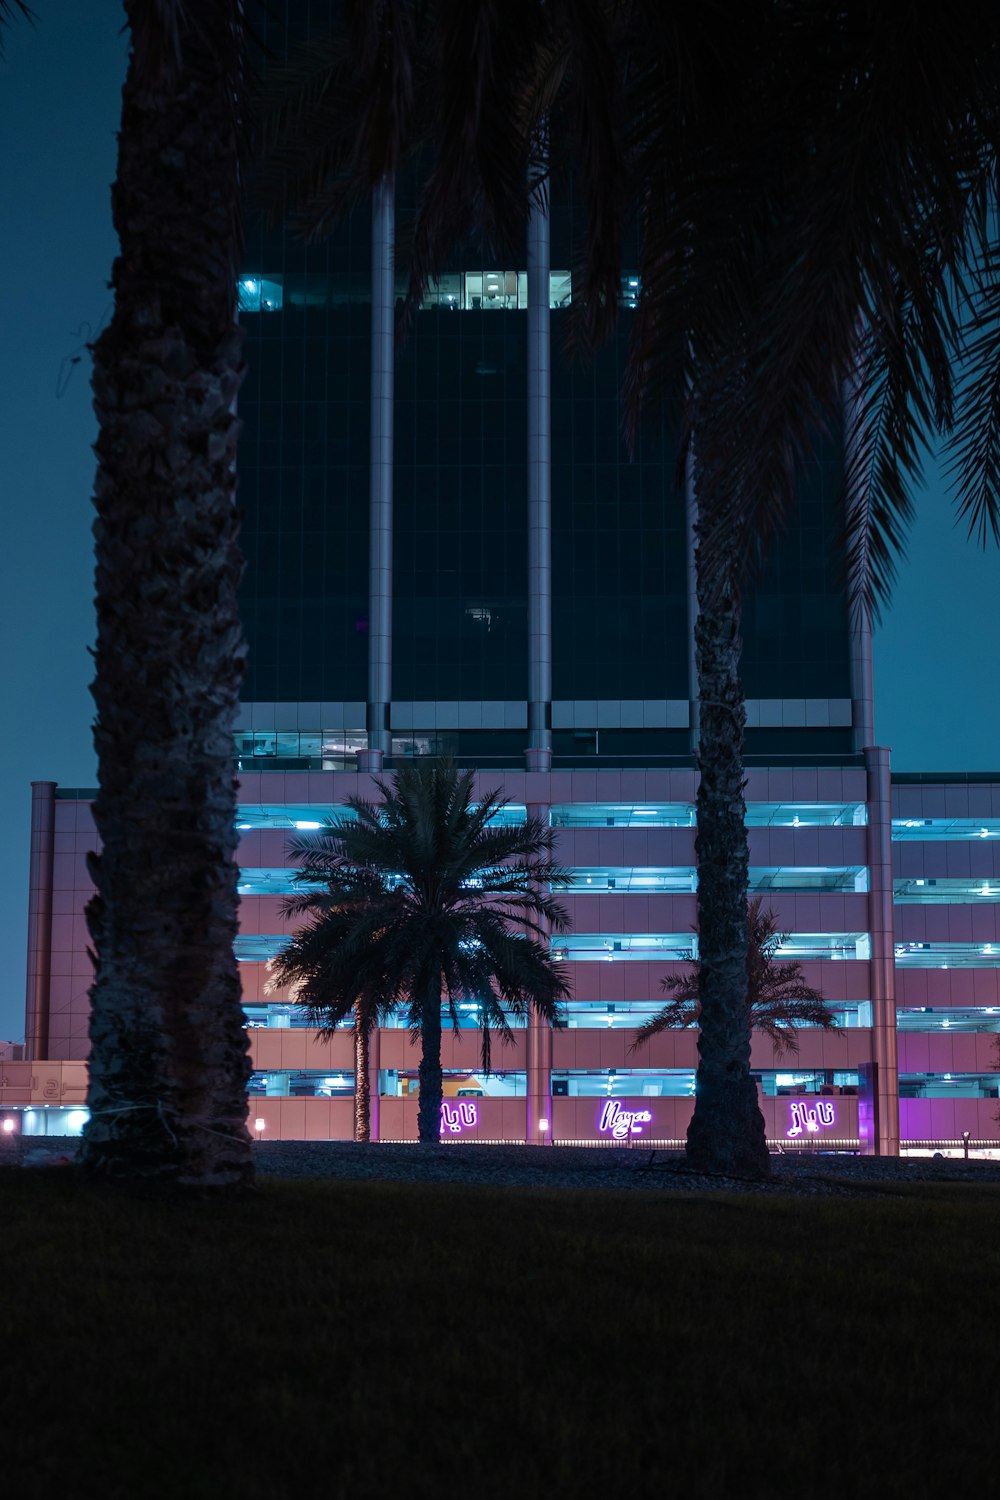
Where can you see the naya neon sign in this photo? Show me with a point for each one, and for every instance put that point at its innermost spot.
(810, 1117)
(458, 1117)
(623, 1122)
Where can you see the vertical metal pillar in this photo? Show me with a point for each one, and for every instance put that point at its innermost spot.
(691, 542)
(862, 689)
(539, 1053)
(878, 1102)
(862, 693)
(539, 751)
(380, 497)
(40, 871)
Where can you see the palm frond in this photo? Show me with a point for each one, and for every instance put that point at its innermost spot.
(974, 447)
(779, 999)
(8, 10)
(419, 900)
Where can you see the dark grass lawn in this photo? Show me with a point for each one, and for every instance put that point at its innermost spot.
(371, 1339)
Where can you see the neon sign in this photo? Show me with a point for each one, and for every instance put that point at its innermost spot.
(622, 1122)
(810, 1117)
(458, 1117)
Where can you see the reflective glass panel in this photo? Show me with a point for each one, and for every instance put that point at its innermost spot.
(945, 828)
(950, 892)
(948, 955)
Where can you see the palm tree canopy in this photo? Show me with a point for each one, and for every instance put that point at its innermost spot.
(813, 190)
(422, 898)
(815, 196)
(779, 997)
(321, 965)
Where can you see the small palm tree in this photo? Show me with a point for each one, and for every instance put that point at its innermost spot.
(423, 902)
(779, 998)
(323, 975)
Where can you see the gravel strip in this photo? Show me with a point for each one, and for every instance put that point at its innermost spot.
(572, 1167)
(623, 1169)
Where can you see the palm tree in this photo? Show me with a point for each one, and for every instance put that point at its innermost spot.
(169, 1054)
(815, 198)
(321, 966)
(426, 902)
(816, 205)
(778, 997)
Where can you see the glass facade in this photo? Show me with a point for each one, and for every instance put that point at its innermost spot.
(303, 468)
(795, 620)
(682, 815)
(459, 545)
(619, 579)
(922, 829)
(460, 508)
(948, 955)
(941, 891)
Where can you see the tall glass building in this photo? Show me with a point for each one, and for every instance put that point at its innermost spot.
(458, 491)
(450, 549)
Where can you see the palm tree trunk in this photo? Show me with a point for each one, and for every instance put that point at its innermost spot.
(726, 1133)
(362, 1084)
(429, 1073)
(169, 1059)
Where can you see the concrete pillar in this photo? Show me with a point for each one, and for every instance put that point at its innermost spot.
(374, 1052)
(878, 1097)
(380, 495)
(40, 869)
(539, 751)
(539, 1050)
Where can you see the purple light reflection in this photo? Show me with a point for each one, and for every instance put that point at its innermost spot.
(622, 1122)
(810, 1117)
(458, 1117)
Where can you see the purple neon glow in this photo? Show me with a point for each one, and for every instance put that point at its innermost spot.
(810, 1117)
(622, 1122)
(458, 1117)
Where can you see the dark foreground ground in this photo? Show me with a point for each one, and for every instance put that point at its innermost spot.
(621, 1168)
(830, 1335)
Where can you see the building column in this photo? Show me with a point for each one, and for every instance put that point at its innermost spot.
(40, 870)
(380, 471)
(862, 689)
(539, 751)
(539, 1054)
(374, 1053)
(878, 1096)
(691, 542)
(862, 693)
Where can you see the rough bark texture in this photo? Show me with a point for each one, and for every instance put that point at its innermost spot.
(362, 1084)
(726, 1133)
(429, 1071)
(169, 1059)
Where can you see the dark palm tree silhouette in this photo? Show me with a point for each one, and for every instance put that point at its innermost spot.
(169, 1055)
(321, 969)
(778, 997)
(426, 902)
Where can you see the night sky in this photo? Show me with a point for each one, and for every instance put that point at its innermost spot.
(936, 654)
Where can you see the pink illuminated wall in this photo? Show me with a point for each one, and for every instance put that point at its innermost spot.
(580, 1119)
(598, 1048)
